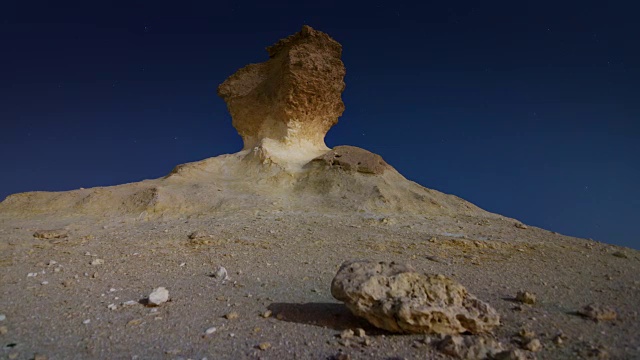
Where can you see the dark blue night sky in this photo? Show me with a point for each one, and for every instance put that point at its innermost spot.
(531, 111)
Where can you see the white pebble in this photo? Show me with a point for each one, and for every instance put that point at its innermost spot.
(129, 303)
(221, 274)
(210, 330)
(44, 282)
(3, 317)
(112, 307)
(32, 274)
(97, 262)
(158, 296)
(86, 321)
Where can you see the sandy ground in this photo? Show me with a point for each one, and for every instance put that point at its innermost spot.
(56, 304)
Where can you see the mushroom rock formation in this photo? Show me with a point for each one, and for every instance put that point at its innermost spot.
(283, 108)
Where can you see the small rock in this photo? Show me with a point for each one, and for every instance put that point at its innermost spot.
(264, 346)
(232, 315)
(221, 273)
(210, 330)
(3, 330)
(3, 317)
(44, 283)
(521, 226)
(86, 321)
(32, 274)
(526, 334)
(360, 332)
(158, 296)
(134, 322)
(39, 357)
(620, 254)
(346, 334)
(112, 306)
(532, 345)
(344, 342)
(469, 347)
(197, 235)
(513, 354)
(559, 339)
(598, 313)
(266, 314)
(129, 303)
(51, 234)
(526, 297)
(599, 352)
(95, 262)
(341, 356)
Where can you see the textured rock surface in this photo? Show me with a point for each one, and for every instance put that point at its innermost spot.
(291, 100)
(396, 298)
(351, 158)
(158, 296)
(470, 347)
(51, 234)
(598, 313)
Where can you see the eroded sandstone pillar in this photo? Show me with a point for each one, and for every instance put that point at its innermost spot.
(286, 105)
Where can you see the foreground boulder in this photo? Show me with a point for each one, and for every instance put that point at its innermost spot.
(396, 298)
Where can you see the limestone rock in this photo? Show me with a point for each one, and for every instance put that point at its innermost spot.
(51, 234)
(598, 313)
(396, 298)
(288, 103)
(351, 158)
(470, 347)
(159, 296)
(526, 297)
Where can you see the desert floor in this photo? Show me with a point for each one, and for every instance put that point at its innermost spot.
(57, 305)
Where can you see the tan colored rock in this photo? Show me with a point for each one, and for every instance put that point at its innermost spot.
(512, 354)
(598, 313)
(526, 297)
(533, 345)
(470, 347)
(287, 104)
(396, 298)
(51, 234)
(521, 226)
(351, 158)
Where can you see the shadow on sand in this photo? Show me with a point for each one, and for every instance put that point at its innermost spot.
(330, 315)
